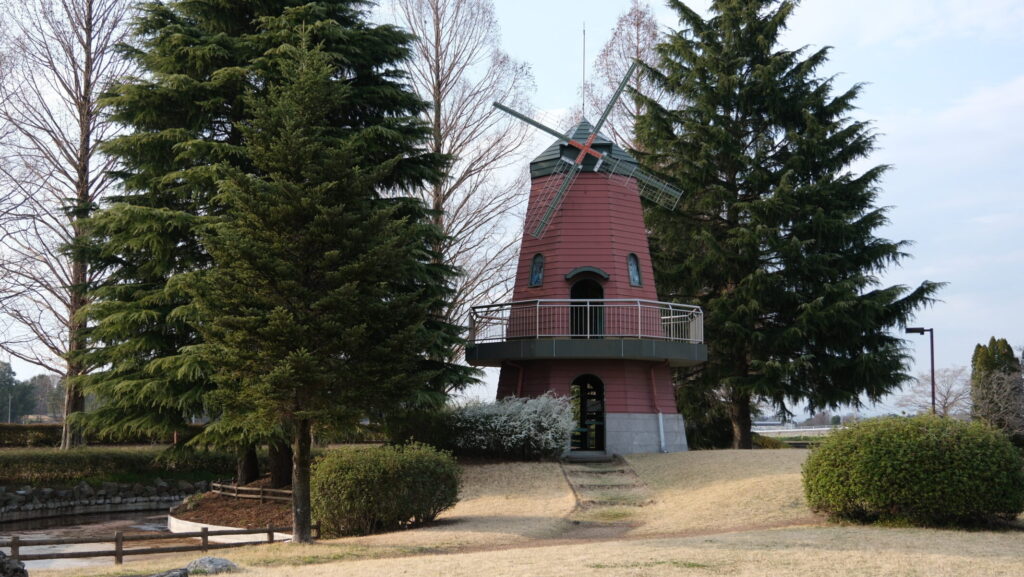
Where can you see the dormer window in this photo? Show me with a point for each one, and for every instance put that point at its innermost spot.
(633, 264)
(537, 270)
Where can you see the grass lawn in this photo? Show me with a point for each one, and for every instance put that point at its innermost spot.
(714, 513)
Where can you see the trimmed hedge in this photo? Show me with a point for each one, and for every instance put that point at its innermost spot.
(924, 470)
(52, 467)
(763, 442)
(378, 489)
(48, 435)
(38, 435)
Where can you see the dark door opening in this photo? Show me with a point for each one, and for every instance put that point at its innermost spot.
(586, 319)
(588, 408)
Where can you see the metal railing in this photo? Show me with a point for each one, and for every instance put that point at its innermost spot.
(586, 319)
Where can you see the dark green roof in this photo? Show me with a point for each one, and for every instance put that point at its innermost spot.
(548, 160)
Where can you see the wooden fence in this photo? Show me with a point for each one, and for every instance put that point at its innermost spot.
(15, 543)
(251, 492)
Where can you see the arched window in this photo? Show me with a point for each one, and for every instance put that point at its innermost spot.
(537, 270)
(633, 264)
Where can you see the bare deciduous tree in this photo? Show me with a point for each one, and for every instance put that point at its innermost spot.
(458, 65)
(952, 393)
(998, 399)
(52, 175)
(634, 38)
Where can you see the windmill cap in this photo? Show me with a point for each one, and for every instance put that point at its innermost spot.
(548, 161)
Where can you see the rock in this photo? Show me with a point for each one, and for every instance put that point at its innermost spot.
(11, 567)
(84, 489)
(150, 491)
(210, 566)
(138, 490)
(185, 487)
(172, 573)
(64, 494)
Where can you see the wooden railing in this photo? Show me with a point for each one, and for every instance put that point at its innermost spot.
(251, 492)
(16, 544)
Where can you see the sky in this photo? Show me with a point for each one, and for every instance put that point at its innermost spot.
(944, 89)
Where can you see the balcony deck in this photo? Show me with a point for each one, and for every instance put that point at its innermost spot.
(586, 329)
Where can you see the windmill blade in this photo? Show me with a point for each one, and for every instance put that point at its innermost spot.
(615, 97)
(649, 186)
(530, 121)
(552, 207)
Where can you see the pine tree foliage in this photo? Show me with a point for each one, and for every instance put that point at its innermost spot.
(318, 303)
(996, 356)
(201, 64)
(774, 237)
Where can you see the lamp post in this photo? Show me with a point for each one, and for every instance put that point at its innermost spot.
(931, 341)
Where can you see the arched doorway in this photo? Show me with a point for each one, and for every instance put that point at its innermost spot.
(586, 320)
(588, 409)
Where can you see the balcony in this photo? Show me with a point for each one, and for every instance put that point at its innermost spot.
(586, 329)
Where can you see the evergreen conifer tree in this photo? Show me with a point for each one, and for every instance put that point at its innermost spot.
(774, 236)
(318, 301)
(202, 64)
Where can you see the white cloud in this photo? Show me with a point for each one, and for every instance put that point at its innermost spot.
(981, 129)
(904, 22)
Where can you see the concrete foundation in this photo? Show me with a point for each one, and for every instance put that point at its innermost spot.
(627, 433)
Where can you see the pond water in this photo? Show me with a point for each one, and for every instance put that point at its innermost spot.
(86, 526)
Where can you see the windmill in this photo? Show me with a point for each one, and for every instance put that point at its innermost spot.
(558, 184)
(584, 320)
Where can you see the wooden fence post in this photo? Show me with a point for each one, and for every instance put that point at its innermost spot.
(205, 538)
(118, 548)
(14, 546)
(270, 533)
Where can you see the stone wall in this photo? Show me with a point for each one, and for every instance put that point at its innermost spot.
(83, 499)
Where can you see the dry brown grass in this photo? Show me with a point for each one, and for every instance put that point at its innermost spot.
(705, 491)
(715, 504)
(834, 551)
(500, 504)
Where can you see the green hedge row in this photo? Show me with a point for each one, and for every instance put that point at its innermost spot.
(52, 467)
(48, 435)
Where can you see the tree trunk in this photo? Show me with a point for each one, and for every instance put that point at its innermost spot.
(739, 414)
(280, 463)
(302, 518)
(74, 400)
(247, 467)
(71, 434)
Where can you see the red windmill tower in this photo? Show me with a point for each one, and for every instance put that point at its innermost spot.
(585, 320)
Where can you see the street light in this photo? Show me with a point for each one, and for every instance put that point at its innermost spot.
(931, 340)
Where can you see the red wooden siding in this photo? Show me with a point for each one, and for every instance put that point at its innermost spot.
(599, 224)
(627, 384)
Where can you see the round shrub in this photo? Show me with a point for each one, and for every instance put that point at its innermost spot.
(923, 470)
(372, 490)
